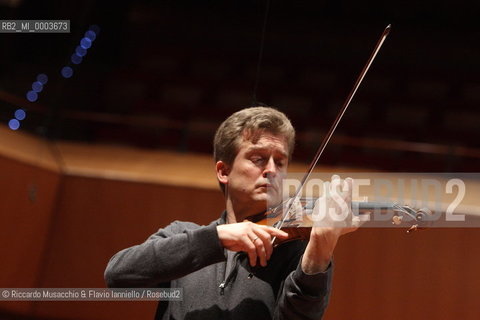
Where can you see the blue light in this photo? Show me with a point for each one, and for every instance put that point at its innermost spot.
(76, 59)
(90, 35)
(80, 51)
(67, 72)
(37, 86)
(94, 28)
(42, 78)
(20, 114)
(32, 96)
(14, 124)
(85, 43)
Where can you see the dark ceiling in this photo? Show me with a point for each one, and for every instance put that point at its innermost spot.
(164, 74)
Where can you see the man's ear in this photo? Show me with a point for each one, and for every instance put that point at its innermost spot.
(222, 172)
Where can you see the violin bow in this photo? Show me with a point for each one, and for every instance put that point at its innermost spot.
(335, 123)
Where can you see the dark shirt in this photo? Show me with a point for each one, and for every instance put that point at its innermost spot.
(186, 255)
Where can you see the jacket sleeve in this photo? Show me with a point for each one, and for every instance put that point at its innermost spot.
(304, 296)
(168, 254)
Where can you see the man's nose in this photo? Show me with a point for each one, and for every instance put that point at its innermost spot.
(270, 169)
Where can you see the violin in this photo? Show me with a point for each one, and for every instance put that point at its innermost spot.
(300, 218)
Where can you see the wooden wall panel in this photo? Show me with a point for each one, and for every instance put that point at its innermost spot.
(28, 198)
(387, 274)
(95, 219)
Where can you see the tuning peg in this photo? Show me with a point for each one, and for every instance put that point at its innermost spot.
(413, 228)
(423, 214)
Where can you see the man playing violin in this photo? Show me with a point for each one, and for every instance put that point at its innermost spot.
(229, 268)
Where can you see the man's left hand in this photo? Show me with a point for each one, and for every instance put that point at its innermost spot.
(335, 210)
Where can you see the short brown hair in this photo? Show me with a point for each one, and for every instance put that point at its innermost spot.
(247, 124)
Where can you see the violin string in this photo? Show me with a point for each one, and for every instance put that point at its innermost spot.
(260, 55)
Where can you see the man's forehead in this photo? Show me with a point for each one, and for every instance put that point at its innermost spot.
(265, 141)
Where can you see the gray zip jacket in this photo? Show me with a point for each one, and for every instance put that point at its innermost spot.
(219, 284)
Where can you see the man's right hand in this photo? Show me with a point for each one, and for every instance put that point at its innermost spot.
(254, 239)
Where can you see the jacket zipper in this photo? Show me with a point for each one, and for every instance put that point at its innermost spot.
(230, 275)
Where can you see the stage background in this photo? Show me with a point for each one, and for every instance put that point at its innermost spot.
(123, 147)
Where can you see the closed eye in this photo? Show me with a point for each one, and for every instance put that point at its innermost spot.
(258, 160)
(280, 163)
